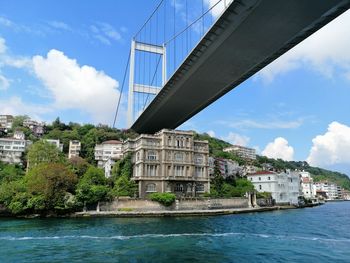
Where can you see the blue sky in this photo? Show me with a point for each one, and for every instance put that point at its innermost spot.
(67, 59)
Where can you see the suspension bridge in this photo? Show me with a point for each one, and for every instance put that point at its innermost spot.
(189, 53)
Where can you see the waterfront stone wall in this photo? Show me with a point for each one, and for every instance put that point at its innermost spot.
(126, 204)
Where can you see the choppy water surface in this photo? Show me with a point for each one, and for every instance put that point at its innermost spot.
(320, 234)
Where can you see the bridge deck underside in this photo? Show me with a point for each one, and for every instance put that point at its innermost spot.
(249, 35)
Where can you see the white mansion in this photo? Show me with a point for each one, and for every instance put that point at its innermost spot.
(284, 187)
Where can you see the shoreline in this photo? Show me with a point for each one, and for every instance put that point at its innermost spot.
(180, 213)
(161, 213)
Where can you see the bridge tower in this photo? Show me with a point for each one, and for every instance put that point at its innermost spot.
(134, 87)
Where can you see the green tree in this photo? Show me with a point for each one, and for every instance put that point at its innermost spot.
(10, 172)
(124, 187)
(49, 184)
(18, 121)
(78, 165)
(44, 152)
(9, 190)
(92, 187)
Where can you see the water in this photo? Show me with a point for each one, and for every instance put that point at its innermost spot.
(320, 234)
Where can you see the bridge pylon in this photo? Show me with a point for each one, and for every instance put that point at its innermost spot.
(134, 87)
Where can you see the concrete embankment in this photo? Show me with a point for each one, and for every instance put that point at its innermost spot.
(173, 213)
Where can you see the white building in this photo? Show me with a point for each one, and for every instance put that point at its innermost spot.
(226, 167)
(6, 121)
(11, 149)
(19, 135)
(108, 150)
(284, 187)
(56, 143)
(241, 151)
(74, 148)
(331, 190)
(307, 185)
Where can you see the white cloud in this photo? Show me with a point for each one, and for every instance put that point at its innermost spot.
(326, 51)
(5, 22)
(267, 124)
(279, 148)
(211, 133)
(237, 139)
(331, 148)
(15, 106)
(77, 87)
(10, 60)
(218, 8)
(2, 45)
(60, 25)
(4, 82)
(105, 33)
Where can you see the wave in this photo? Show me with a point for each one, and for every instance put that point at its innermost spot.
(120, 237)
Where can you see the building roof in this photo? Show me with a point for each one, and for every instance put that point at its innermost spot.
(262, 172)
(112, 142)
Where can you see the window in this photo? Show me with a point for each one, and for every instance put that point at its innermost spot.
(151, 188)
(200, 188)
(268, 178)
(178, 157)
(169, 141)
(179, 188)
(151, 170)
(198, 171)
(259, 186)
(198, 159)
(151, 155)
(138, 156)
(259, 178)
(179, 170)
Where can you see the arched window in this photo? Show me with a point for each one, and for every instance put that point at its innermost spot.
(179, 188)
(151, 188)
(151, 155)
(169, 140)
(187, 143)
(200, 188)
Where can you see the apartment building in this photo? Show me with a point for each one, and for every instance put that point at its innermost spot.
(12, 149)
(55, 142)
(74, 148)
(169, 161)
(330, 191)
(226, 167)
(6, 121)
(241, 151)
(111, 149)
(36, 127)
(284, 187)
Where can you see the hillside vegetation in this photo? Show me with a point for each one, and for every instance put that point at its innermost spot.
(216, 147)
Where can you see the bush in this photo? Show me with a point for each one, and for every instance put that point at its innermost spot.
(166, 199)
(126, 209)
(264, 195)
